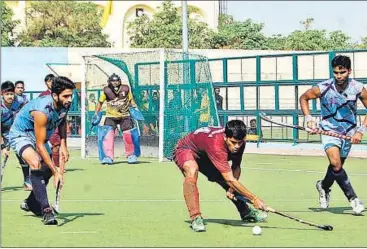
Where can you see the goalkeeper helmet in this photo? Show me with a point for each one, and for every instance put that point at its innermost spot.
(114, 77)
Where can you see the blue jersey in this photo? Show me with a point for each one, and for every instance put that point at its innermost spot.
(24, 98)
(24, 122)
(8, 114)
(339, 110)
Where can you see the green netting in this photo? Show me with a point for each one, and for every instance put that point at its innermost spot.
(189, 97)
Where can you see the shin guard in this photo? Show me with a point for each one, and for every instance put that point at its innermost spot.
(132, 142)
(106, 139)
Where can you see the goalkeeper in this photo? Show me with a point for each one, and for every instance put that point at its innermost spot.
(119, 101)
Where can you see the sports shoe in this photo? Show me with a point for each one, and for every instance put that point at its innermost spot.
(324, 195)
(254, 215)
(107, 160)
(132, 159)
(357, 206)
(198, 224)
(49, 217)
(24, 206)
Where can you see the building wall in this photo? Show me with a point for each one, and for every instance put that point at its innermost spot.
(125, 11)
(29, 64)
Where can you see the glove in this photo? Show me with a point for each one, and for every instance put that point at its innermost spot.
(136, 114)
(310, 122)
(96, 118)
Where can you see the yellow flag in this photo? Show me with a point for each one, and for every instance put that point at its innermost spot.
(106, 13)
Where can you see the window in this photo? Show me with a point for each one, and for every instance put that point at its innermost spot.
(139, 12)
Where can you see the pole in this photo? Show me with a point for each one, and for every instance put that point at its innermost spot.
(185, 39)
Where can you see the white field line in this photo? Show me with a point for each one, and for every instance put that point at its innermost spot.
(79, 232)
(298, 170)
(173, 200)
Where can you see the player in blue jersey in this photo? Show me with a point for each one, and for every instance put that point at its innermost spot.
(338, 100)
(32, 128)
(19, 90)
(10, 105)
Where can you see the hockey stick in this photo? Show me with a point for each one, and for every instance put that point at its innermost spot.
(327, 133)
(56, 207)
(272, 210)
(89, 133)
(3, 164)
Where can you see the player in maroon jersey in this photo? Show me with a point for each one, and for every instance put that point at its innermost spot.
(208, 150)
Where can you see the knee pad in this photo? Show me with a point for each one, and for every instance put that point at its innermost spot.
(106, 140)
(132, 142)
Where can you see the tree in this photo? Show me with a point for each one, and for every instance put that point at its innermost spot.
(316, 39)
(338, 40)
(165, 29)
(63, 24)
(364, 43)
(7, 25)
(276, 42)
(239, 35)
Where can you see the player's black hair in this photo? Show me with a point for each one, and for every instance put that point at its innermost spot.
(19, 82)
(341, 61)
(236, 129)
(61, 83)
(7, 86)
(49, 77)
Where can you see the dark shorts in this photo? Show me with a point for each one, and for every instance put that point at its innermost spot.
(206, 167)
(125, 123)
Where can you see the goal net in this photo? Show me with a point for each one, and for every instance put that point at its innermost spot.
(173, 91)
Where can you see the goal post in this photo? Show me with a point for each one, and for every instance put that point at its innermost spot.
(173, 90)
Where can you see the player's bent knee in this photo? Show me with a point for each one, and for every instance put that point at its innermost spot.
(337, 166)
(191, 168)
(31, 157)
(34, 163)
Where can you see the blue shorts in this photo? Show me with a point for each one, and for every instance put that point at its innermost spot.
(343, 144)
(20, 143)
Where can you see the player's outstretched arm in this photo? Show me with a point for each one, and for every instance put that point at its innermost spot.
(40, 123)
(236, 173)
(242, 190)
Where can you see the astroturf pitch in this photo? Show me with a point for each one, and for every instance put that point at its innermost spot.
(142, 205)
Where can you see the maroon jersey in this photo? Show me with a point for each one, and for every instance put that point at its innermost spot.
(47, 92)
(209, 143)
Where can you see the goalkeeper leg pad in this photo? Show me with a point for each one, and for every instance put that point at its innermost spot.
(106, 139)
(132, 144)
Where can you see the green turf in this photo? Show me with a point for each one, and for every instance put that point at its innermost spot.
(142, 206)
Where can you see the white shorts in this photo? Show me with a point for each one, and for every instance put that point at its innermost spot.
(19, 144)
(343, 144)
